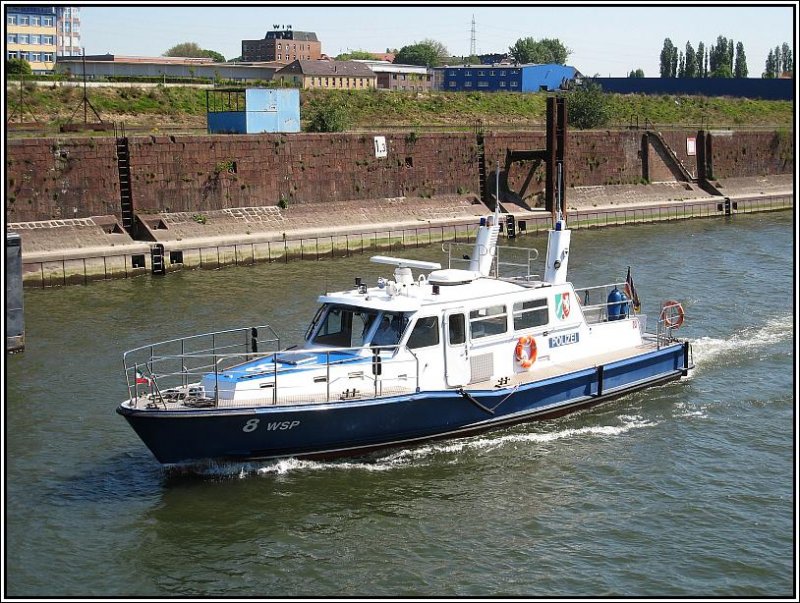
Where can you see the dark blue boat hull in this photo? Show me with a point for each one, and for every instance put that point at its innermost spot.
(355, 427)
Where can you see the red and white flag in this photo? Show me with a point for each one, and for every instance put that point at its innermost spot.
(140, 378)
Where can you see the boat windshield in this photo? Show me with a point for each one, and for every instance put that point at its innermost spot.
(390, 329)
(350, 327)
(341, 326)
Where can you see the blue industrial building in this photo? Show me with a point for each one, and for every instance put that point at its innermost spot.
(508, 78)
(253, 111)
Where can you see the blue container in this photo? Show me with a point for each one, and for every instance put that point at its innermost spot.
(265, 110)
(617, 305)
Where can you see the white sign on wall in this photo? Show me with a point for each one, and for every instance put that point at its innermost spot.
(380, 146)
(691, 146)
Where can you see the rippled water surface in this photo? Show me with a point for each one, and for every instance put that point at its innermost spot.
(681, 490)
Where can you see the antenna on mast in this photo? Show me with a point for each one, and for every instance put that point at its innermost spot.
(472, 51)
(86, 104)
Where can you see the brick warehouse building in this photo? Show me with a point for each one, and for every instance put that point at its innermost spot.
(339, 75)
(400, 77)
(283, 46)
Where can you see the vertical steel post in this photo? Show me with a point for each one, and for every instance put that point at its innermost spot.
(561, 150)
(275, 380)
(550, 162)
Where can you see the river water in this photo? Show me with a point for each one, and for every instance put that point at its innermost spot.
(681, 490)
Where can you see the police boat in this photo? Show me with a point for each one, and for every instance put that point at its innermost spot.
(450, 352)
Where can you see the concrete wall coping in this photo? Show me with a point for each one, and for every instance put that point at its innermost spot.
(85, 253)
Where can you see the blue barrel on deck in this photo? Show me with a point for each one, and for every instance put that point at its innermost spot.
(617, 305)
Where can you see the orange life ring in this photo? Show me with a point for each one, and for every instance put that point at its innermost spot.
(525, 351)
(672, 314)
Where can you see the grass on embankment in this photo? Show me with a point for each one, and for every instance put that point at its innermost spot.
(165, 107)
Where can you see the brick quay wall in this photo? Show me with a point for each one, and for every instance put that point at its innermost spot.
(212, 201)
(51, 179)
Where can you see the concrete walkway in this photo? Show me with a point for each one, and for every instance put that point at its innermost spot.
(61, 251)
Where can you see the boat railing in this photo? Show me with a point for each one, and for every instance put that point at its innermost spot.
(618, 310)
(602, 310)
(172, 373)
(665, 330)
(175, 363)
(509, 262)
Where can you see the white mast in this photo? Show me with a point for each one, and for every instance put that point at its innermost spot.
(486, 241)
(555, 269)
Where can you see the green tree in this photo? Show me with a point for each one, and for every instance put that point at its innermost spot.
(690, 68)
(184, 49)
(722, 71)
(553, 51)
(214, 56)
(770, 66)
(730, 54)
(546, 50)
(720, 58)
(740, 66)
(18, 67)
(330, 118)
(668, 60)
(523, 50)
(636, 73)
(193, 50)
(778, 61)
(787, 61)
(588, 106)
(427, 53)
(700, 59)
(357, 55)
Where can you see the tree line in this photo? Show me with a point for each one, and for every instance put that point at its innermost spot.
(432, 53)
(722, 59)
(778, 61)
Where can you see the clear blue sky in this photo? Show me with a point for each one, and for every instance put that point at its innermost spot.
(605, 40)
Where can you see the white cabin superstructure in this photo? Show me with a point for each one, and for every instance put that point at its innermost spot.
(449, 329)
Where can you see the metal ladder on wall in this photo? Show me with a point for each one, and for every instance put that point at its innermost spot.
(481, 162)
(124, 172)
(157, 265)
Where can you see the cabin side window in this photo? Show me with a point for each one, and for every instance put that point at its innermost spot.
(488, 321)
(456, 329)
(425, 333)
(531, 313)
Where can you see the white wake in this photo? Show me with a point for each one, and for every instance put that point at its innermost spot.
(707, 350)
(415, 456)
